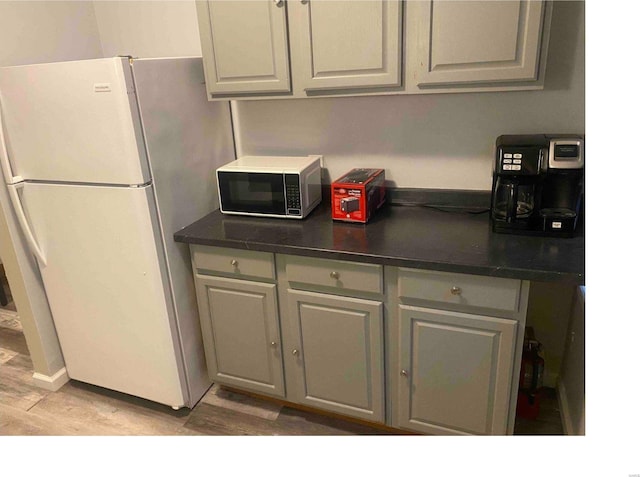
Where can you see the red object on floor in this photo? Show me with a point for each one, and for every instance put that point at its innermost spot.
(528, 406)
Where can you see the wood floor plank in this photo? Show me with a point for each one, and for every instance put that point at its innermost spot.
(318, 424)
(109, 413)
(213, 420)
(221, 397)
(13, 340)
(9, 319)
(6, 355)
(219, 421)
(16, 383)
(16, 422)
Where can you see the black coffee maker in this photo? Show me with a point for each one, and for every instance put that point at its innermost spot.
(538, 184)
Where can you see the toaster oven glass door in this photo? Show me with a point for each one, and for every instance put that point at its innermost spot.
(252, 192)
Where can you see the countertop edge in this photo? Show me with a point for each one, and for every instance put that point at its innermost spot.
(498, 271)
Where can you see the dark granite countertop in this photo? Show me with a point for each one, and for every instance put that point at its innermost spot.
(415, 237)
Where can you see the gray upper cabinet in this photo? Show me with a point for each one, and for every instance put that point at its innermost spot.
(452, 43)
(244, 47)
(371, 47)
(341, 45)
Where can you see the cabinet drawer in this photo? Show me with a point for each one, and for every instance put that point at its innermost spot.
(363, 277)
(235, 262)
(459, 290)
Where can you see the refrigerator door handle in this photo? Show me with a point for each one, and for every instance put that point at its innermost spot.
(24, 223)
(15, 183)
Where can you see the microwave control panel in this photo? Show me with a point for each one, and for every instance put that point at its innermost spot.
(292, 190)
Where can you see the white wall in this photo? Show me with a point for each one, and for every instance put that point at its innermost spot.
(40, 32)
(427, 141)
(148, 29)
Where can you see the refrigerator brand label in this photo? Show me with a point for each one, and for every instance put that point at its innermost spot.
(102, 87)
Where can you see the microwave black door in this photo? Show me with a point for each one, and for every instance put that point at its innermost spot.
(252, 192)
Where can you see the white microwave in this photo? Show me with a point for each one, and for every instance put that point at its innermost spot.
(270, 186)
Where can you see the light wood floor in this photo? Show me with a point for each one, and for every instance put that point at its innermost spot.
(81, 409)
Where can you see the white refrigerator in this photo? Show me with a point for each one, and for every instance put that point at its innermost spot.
(103, 161)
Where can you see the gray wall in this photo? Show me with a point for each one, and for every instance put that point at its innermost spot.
(430, 141)
(433, 141)
(41, 32)
(148, 29)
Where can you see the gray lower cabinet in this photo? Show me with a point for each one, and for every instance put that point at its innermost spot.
(239, 320)
(421, 350)
(455, 371)
(337, 350)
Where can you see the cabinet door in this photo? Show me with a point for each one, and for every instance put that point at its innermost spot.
(346, 44)
(337, 354)
(474, 42)
(455, 371)
(241, 335)
(244, 46)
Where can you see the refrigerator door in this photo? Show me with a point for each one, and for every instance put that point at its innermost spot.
(73, 121)
(107, 287)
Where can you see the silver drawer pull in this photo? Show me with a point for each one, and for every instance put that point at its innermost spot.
(274, 344)
(234, 263)
(456, 291)
(295, 352)
(404, 373)
(335, 275)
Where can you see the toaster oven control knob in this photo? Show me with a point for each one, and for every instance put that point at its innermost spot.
(335, 275)
(234, 263)
(456, 291)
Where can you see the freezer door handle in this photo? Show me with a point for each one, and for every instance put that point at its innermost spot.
(7, 173)
(24, 223)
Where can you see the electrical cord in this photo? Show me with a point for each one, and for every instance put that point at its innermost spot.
(451, 210)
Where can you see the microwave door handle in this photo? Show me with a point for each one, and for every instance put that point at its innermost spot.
(512, 203)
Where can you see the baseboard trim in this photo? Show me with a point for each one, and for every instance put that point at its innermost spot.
(51, 383)
(565, 414)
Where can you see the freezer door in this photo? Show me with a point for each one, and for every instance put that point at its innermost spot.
(105, 279)
(74, 121)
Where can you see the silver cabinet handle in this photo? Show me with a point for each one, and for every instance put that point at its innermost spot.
(404, 373)
(234, 263)
(295, 352)
(278, 3)
(335, 275)
(273, 344)
(456, 291)
(304, 2)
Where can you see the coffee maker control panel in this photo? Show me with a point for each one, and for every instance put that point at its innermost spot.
(520, 160)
